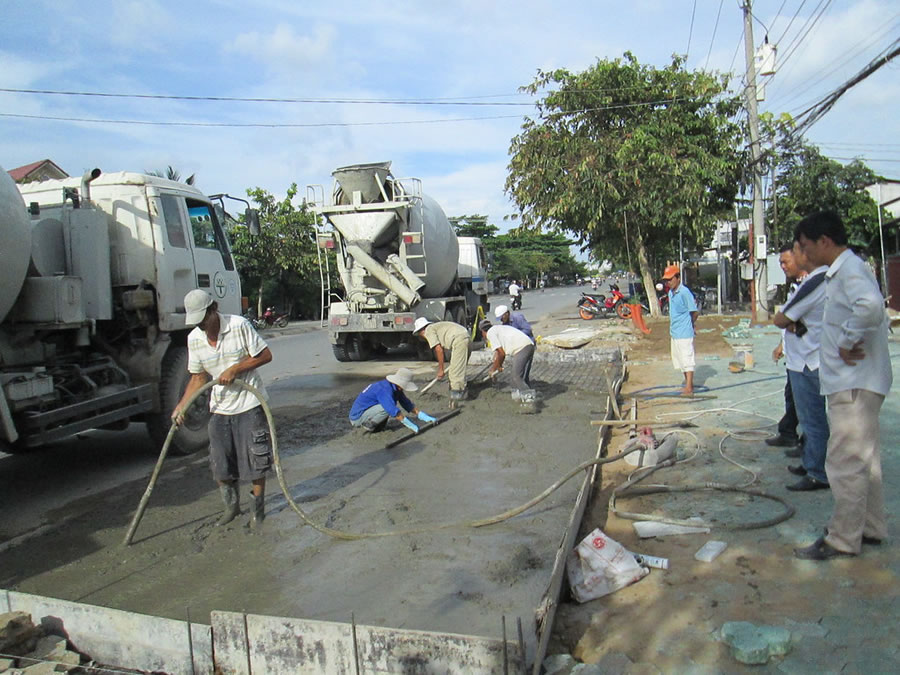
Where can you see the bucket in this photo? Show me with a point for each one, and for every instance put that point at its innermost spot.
(744, 354)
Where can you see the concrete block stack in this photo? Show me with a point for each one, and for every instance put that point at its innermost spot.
(28, 650)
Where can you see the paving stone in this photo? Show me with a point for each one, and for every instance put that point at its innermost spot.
(558, 663)
(873, 660)
(805, 629)
(614, 663)
(812, 656)
(588, 669)
(755, 645)
(6, 664)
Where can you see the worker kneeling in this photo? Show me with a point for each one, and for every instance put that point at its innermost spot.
(508, 341)
(443, 337)
(384, 399)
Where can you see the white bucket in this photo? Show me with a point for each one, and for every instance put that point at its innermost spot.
(744, 354)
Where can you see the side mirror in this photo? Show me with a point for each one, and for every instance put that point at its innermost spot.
(251, 217)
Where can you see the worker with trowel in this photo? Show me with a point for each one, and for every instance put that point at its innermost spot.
(385, 399)
(443, 337)
(514, 319)
(508, 341)
(226, 347)
(682, 317)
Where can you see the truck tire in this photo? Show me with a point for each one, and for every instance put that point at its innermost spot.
(359, 348)
(459, 316)
(340, 352)
(192, 436)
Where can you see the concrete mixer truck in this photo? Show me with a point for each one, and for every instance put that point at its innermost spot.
(398, 258)
(92, 323)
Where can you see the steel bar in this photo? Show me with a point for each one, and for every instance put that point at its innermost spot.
(423, 429)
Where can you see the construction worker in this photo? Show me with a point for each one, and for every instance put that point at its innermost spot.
(514, 319)
(509, 341)
(443, 337)
(682, 317)
(385, 399)
(225, 347)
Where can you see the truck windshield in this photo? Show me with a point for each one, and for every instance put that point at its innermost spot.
(207, 231)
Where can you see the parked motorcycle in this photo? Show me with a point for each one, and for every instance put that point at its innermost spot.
(270, 318)
(592, 305)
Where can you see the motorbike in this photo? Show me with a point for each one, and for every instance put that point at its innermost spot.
(515, 302)
(270, 318)
(592, 305)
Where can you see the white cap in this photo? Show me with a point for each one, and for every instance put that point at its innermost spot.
(420, 323)
(195, 304)
(403, 379)
(500, 310)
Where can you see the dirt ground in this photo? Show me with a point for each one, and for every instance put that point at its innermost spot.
(668, 621)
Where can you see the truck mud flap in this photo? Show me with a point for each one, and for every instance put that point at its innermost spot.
(46, 427)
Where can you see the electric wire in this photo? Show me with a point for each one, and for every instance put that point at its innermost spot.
(691, 29)
(713, 38)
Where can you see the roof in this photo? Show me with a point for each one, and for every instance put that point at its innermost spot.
(23, 172)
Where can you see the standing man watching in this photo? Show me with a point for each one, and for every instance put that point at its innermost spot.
(801, 318)
(855, 375)
(443, 337)
(514, 319)
(509, 341)
(224, 346)
(682, 317)
(787, 426)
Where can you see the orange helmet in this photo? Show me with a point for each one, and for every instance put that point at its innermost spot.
(671, 271)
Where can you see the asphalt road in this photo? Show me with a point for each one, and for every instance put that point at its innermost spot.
(52, 484)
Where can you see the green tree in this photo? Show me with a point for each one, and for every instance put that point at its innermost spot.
(473, 226)
(621, 142)
(808, 181)
(281, 261)
(172, 174)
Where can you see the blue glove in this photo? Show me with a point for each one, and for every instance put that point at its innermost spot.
(425, 417)
(409, 424)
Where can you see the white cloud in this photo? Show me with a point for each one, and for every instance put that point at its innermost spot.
(283, 50)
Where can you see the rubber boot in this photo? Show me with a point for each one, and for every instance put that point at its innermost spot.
(258, 512)
(232, 500)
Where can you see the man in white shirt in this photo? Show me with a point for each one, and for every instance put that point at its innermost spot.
(855, 375)
(224, 347)
(509, 341)
(801, 318)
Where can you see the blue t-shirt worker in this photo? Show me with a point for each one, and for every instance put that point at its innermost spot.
(384, 399)
(682, 316)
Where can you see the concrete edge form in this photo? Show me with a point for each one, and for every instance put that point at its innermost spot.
(546, 612)
(119, 638)
(250, 643)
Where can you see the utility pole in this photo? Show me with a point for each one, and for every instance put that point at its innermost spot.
(760, 282)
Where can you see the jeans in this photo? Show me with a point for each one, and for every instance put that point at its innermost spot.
(787, 425)
(371, 417)
(810, 406)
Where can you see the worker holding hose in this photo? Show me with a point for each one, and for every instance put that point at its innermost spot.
(385, 399)
(443, 337)
(225, 347)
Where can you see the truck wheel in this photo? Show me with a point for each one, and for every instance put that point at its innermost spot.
(192, 436)
(459, 315)
(340, 352)
(359, 348)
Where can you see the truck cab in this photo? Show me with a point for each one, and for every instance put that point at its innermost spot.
(112, 257)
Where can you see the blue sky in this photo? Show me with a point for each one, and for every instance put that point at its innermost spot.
(453, 51)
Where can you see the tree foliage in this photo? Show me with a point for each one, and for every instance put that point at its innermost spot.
(808, 181)
(281, 262)
(625, 140)
(172, 173)
(521, 254)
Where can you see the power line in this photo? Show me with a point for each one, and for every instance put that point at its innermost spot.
(691, 30)
(791, 22)
(713, 38)
(301, 125)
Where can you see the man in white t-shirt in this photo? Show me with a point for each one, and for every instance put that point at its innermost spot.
(508, 341)
(225, 347)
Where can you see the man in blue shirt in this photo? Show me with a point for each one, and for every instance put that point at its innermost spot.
(384, 399)
(514, 319)
(682, 316)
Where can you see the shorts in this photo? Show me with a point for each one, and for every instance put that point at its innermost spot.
(240, 447)
(683, 354)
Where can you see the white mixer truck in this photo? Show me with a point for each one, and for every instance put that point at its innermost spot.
(398, 258)
(92, 321)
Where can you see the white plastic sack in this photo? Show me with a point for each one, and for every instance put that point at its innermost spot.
(599, 566)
